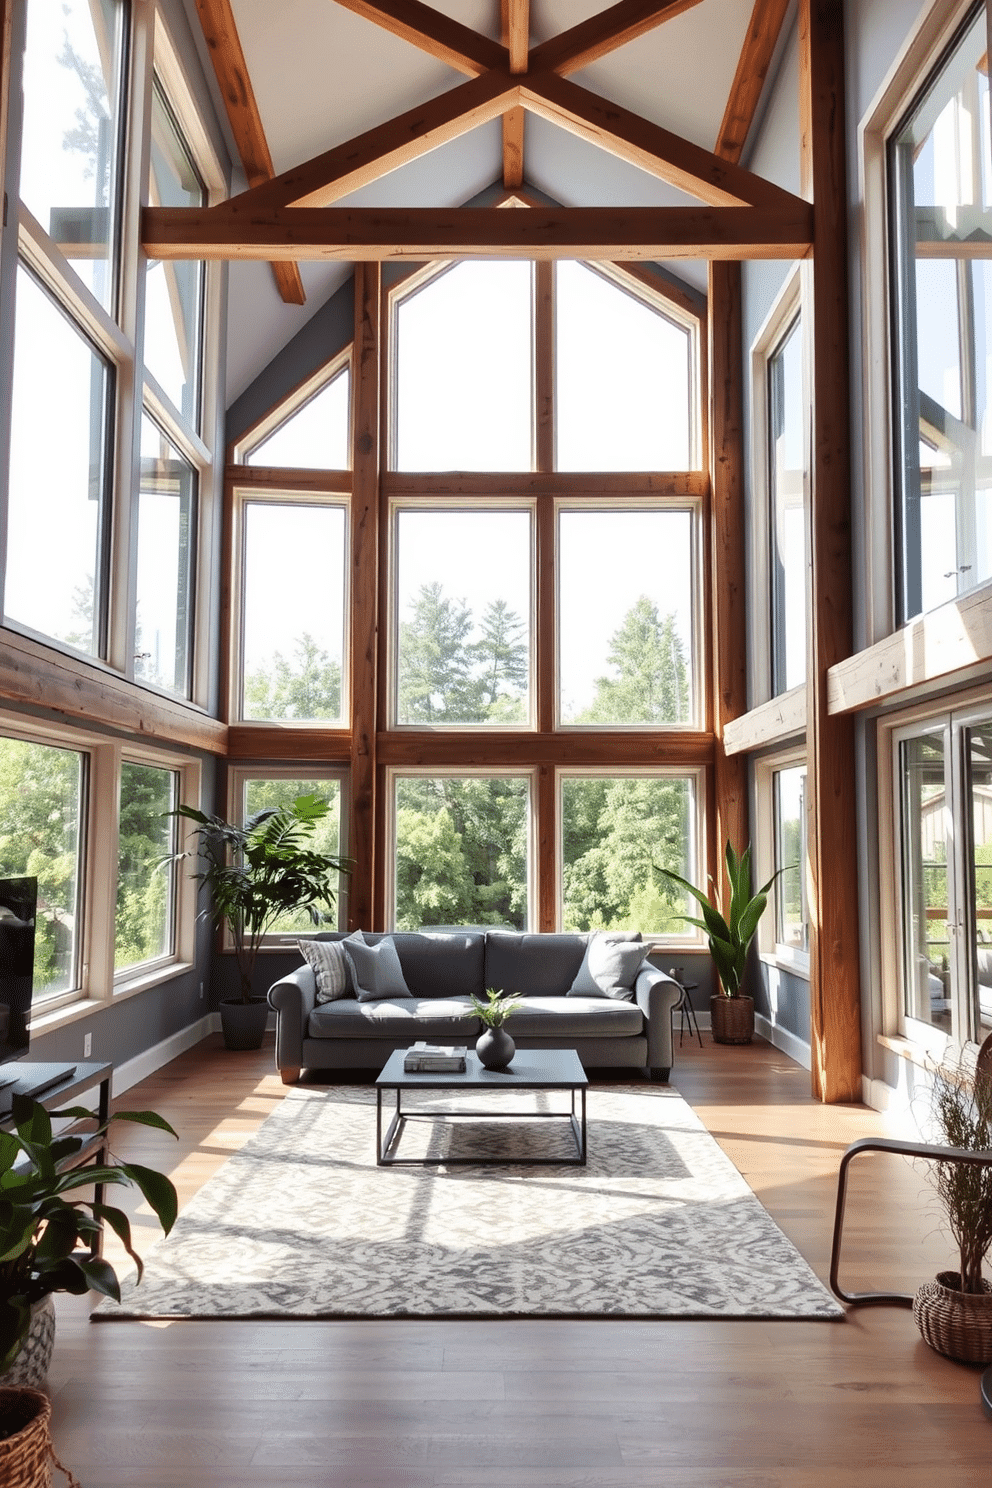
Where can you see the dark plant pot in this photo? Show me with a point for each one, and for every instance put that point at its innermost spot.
(732, 1019)
(243, 1023)
(495, 1048)
(954, 1323)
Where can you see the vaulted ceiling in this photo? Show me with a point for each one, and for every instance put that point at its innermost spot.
(302, 77)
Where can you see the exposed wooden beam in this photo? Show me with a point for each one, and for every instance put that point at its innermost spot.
(221, 35)
(421, 234)
(603, 33)
(667, 156)
(752, 69)
(369, 156)
(448, 40)
(832, 858)
(515, 35)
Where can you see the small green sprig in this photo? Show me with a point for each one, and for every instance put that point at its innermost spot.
(495, 1012)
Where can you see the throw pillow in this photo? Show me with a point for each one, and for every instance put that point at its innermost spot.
(609, 968)
(330, 968)
(375, 969)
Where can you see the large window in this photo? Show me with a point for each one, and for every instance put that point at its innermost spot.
(942, 771)
(163, 628)
(787, 517)
(255, 791)
(145, 927)
(941, 193)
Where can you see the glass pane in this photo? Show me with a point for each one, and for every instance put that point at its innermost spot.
(615, 833)
(56, 504)
(624, 379)
(174, 290)
(263, 795)
(942, 191)
(463, 587)
(792, 917)
(166, 536)
(785, 434)
(461, 851)
(145, 926)
(463, 371)
(980, 775)
(625, 617)
(293, 634)
(926, 932)
(316, 436)
(72, 131)
(41, 806)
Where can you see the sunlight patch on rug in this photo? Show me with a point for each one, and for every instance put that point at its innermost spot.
(302, 1223)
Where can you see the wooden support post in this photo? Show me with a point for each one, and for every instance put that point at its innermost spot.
(728, 614)
(364, 595)
(832, 862)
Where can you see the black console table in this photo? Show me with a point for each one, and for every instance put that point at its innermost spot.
(66, 1092)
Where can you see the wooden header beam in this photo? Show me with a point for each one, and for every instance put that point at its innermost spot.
(423, 234)
(224, 45)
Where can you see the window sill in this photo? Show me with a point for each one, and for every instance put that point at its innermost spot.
(797, 966)
(142, 980)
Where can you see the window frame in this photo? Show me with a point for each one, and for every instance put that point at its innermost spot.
(771, 949)
(243, 448)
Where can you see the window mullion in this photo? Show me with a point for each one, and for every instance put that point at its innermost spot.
(544, 367)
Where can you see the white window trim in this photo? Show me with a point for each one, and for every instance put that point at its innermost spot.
(459, 772)
(454, 505)
(697, 648)
(238, 777)
(243, 496)
(770, 949)
(691, 938)
(286, 410)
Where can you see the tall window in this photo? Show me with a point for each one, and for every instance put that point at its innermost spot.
(941, 192)
(255, 792)
(166, 562)
(145, 926)
(791, 911)
(787, 519)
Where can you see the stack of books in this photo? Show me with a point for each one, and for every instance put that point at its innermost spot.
(434, 1059)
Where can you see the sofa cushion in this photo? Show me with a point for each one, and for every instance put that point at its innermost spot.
(442, 965)
(331, 968)
(447, 1020)
(532, 965)
(375, 969)
(575, 1017)
(610, 966)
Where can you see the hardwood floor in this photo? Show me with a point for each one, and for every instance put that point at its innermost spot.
(530, 1404)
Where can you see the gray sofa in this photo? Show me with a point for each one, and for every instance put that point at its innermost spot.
(442, 970)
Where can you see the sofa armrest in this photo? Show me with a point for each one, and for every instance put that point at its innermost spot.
(656, 993)
(294, 999)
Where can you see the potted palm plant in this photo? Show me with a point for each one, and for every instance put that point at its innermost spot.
(729, 936)
(42, 1221)
(954, 1312)
(255, 874)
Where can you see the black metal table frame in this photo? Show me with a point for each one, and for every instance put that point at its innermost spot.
(401, 1117)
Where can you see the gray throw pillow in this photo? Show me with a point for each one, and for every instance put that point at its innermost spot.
(609, 968)
(375, 969)
(330, 968)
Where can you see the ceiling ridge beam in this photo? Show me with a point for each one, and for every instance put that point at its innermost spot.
(421, 234)
(432, 31)
(369, 156)
(760, 41)
(603, 33)
(515, 36)
(220, 32)
(629, 136)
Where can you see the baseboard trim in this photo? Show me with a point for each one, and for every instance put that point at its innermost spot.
(146, 1063)
(781, 1038)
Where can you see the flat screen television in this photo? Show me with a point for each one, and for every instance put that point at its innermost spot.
(18, 911)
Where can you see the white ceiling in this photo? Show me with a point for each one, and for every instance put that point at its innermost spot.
(322, 75)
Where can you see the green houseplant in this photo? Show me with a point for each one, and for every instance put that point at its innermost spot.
(42, 1220)
(494, 1046)
(729, 935)
(256, 873)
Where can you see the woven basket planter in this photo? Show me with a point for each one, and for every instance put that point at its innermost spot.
(954, 1323)
(732, 1019)
(26, 1454)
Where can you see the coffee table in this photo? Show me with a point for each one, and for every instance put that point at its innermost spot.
(531, 1069)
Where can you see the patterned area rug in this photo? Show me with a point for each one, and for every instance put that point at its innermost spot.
(302, 1223)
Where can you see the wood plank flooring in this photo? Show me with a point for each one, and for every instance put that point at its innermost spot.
(533, 1404)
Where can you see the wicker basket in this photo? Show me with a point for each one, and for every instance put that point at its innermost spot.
(731, 1019)
(26, 1457)
(956, 1324)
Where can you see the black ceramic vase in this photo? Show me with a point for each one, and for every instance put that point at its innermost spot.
(495, 1048)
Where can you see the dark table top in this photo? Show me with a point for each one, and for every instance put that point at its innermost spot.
(530, 1069)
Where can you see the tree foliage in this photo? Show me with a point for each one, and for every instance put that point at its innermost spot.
(308, 685)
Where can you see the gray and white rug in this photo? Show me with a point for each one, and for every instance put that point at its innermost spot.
(302, 1223)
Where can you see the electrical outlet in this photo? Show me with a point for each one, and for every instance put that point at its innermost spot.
(201, 991)
(87, 1045)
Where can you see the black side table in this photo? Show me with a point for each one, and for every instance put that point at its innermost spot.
(685, 1009)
